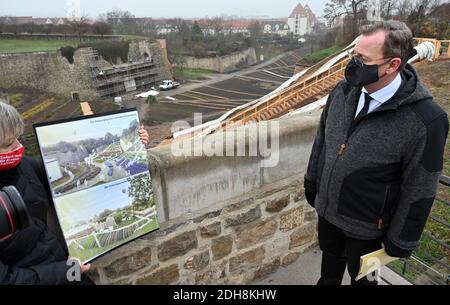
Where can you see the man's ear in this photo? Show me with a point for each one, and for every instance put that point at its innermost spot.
(394, 65)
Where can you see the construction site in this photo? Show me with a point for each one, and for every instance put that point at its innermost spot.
(85, 74)
(112, 81)
(306, 91)
(223, 220)
(236, 222)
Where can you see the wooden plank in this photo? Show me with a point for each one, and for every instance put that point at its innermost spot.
(86, 108)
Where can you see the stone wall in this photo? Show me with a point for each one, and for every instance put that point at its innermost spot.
(223, 64)
(46, 71)
(224, 220)
(51, 72)
(140, 48)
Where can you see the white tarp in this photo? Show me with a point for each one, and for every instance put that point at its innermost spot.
(147, 94)
(206, 128)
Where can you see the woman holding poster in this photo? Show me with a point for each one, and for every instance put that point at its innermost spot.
(37, 254)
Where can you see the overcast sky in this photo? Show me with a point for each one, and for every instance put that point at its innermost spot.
(161, 8)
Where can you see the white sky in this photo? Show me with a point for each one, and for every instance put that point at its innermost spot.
(161, 8)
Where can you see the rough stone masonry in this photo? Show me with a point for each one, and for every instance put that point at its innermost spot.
(51, 72)
(238, 241)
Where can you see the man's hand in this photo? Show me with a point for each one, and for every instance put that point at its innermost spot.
(83, 268)
(394, 251)
(310, 197)
(143, 134)
(310, 191)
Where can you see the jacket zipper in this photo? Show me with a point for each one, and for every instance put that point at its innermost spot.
(341, 152)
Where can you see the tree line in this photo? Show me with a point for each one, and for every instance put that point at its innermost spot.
(78, 27)
(426, 18)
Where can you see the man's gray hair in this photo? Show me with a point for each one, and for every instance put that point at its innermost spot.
(399, 42)
(11, 124)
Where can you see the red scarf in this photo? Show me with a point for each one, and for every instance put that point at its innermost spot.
(11, 159)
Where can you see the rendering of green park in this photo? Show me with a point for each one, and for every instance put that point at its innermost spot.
(98, 173)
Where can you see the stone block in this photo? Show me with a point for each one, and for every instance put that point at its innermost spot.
(252, 234)
(221, 247)
(177, 246)
(244, 218)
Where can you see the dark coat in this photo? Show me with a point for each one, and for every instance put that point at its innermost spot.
(37, 254)
(378, 178)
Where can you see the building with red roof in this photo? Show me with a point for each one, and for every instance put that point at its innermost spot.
(302, 20)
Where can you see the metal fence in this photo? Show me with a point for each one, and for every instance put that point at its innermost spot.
(424, 266)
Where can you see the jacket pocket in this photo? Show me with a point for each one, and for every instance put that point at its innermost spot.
(370, 194)
(390, 202)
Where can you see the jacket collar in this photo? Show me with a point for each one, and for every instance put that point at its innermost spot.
(385, 94)
(410, 91)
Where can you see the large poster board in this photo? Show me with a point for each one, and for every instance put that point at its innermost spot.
(98, 173)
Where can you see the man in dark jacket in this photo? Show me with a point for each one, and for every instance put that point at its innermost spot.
(377, 157)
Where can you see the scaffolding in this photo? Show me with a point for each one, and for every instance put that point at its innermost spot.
(111, 81)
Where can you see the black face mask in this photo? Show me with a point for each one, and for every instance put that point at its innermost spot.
(359, 74)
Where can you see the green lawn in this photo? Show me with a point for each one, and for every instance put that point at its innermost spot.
(186, 74)
(84, 255)
(27, 46)
(321, 54)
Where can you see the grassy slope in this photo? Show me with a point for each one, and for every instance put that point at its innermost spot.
(186, 74)
(26, 46)
(321, 54)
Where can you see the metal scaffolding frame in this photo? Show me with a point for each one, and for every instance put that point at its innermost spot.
(110, 81)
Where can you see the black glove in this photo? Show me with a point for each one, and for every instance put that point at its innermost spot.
(394, 251)
(310, 197)
(310, 191)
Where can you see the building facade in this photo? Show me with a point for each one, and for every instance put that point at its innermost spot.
(302, 20)
(276, 27)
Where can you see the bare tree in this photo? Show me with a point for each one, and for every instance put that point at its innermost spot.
(79, 26)
(256, 30)
(440, 17)
(2, 24)
(122, 22)
(30, 28)
(182, 29)
(350, 9)
(102, 28)
(404, 9)
(13, 28)
(387, 8)
(217, 25)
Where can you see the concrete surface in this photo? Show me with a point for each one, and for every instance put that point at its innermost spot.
(184, 184)
(306, 271)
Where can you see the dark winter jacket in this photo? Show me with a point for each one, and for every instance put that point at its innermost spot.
(34, 255)
(379, 178)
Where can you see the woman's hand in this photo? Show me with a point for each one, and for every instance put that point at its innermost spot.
(83, 268)
(143, 134)
(6, 237)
